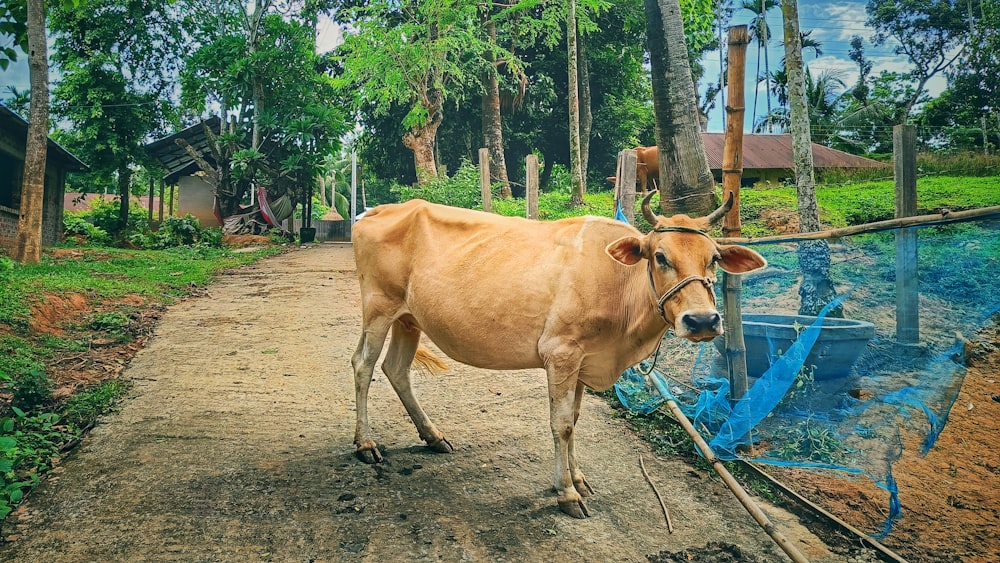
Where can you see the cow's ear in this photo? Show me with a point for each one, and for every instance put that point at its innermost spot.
(740, 260)
(627, 250)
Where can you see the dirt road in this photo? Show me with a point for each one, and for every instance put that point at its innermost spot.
(235, 445)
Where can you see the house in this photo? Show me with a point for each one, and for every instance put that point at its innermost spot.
(768, 158)
(195, 196)
(58, 163)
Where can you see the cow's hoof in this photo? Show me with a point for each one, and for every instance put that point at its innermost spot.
(369, 455)
(583, 487)
(441, 446)
(574, 508)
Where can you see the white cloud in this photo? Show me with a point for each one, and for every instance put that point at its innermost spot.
(328, 35)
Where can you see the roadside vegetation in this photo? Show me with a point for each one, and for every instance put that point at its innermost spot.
(69, 325)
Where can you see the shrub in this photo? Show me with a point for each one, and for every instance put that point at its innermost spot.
(460, 190)
(76, 225)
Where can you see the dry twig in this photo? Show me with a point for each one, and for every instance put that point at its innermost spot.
(670, 525)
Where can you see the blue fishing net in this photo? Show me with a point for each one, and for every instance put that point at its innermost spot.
(831, 394)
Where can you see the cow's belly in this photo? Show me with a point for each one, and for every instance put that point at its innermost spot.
(483, 334)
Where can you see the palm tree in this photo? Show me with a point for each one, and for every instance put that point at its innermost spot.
(761, 33)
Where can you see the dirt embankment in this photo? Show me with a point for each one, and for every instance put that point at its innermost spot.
(235, 445)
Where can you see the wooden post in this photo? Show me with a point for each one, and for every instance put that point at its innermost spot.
(732, 174)
(484, 180)
(171, 213)
(904, 156)
(151, 186)
(625, 183)
(531, 181)
(161, 199)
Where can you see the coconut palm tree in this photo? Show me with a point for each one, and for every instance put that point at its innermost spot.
(761, 33)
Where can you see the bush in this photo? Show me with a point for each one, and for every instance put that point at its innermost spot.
(178, 231)
(76, 225)
(104, 215)
(460, 190)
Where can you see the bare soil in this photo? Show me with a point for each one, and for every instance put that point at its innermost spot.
(235, 445)
(950, 497)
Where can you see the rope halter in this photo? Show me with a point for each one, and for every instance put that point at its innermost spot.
(662, 299)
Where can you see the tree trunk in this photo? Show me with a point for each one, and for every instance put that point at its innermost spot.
(420, 140)
(28, 242)
(816, 289)
(586, 113)
(492, 127)
(124, 183)
(576, 171)
(687, 183)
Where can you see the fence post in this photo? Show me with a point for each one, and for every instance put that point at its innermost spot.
(484, 180)
(625, 183)
(531, 181)
(732, 174)
(904, 157)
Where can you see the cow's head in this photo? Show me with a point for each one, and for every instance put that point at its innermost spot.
(681, 260)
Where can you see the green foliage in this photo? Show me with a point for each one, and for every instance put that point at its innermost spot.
(76, 225)
(811, 442)
(104, 216)
(173, 231)
(460, 190)
(25, 378)
(83, 409)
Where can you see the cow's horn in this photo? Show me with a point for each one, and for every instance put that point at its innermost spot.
(719, 213)
(650, 217)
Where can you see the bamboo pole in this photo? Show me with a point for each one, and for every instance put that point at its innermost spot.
(732, 174)
(943, 218)
(741, 495)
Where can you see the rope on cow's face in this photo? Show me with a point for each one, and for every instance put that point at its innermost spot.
(662, 300)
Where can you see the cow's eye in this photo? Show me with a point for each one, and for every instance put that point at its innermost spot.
(661, 260)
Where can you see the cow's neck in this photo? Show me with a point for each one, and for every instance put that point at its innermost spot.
(642, 324)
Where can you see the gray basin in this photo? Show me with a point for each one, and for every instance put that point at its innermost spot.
(840, 342)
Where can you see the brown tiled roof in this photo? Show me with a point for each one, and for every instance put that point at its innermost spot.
(775, 152)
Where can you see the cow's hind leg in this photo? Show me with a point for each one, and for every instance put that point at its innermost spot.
(579, 481)
(562, 418)
(402, 348)
(369, 347)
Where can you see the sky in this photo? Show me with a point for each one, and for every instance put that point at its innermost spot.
(832, 24)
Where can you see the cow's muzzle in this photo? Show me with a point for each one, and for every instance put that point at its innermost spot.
(700, 321)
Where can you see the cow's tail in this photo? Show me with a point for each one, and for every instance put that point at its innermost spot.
(428, 361)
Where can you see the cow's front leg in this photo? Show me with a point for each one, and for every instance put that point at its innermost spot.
(579, 481)
(562, 418)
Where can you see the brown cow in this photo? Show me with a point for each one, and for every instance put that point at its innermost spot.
(647, 164)
(584, 298)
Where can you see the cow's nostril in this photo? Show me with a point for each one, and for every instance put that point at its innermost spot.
(701, 322)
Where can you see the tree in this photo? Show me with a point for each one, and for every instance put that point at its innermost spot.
(761, 33)
(260, 67)
(418, 54)
(13, 31)
(578, 187)
(687, 183)
(931, 33)
(28, 242)
(492, 123)
(117, 77)
(816, 289)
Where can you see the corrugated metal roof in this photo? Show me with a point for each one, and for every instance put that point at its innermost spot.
(10, 121)
(175, 159)
(764, 152)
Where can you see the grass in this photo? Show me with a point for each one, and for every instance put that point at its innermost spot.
(34, 426)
